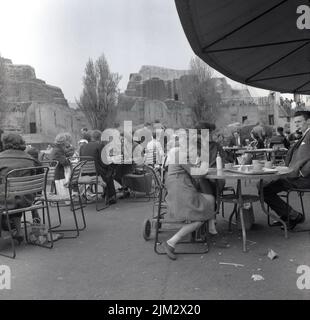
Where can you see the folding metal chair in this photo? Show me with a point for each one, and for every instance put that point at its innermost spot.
(89, 177)
(52, 165)
(22, 182)
(159, 219)
(286, 195)
(60, 201)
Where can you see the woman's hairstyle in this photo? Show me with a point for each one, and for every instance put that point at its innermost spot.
(63, 138)
(13, 141)
(95, 135)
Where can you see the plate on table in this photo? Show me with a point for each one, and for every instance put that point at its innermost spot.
(248, 169)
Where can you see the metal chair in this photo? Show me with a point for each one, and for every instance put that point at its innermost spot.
(25, 182)
(60, 201)
(159, 219)
(286, 195)
(52, 164)
(89, 176)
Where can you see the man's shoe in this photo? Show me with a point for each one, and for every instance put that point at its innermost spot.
(293, 222)
(169, 251)
(278, 223)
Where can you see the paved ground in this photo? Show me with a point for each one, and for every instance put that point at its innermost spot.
(111, 260)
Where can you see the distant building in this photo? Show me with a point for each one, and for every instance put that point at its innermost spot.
(36, 110)
(166, 94)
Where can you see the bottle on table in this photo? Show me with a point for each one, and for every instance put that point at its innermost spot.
(219, 163)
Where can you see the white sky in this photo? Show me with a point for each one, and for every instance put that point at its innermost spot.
(57, 37)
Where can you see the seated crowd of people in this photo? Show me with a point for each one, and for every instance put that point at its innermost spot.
(190, 196)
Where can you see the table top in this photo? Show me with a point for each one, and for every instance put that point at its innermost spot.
(234, 148)
(259, 150)
(268, 150)
(225, 175)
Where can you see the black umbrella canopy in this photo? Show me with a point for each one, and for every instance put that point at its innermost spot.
(255, 42)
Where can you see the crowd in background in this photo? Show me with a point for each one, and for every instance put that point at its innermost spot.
(152, 149)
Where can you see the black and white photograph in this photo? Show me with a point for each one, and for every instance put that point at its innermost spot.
(154, 150)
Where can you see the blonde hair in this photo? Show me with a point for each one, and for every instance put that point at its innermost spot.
(62, 138)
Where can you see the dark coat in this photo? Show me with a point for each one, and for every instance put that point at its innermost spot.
(298, 157)
(93, 149)
(276, 140)
(21, 160)
(58, 154)
(233, 142)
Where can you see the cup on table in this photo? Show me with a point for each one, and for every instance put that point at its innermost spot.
(228, 165)
(257, 165)
(268, 164)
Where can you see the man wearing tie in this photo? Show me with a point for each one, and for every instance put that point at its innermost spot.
(236, 140)
(298, 159)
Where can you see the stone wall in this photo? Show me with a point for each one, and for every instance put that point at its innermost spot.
(37, 110)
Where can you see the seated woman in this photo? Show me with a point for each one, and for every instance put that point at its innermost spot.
(185, 203)
(60, 153)
(14, 157)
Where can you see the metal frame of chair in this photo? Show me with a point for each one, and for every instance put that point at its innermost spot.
(33, 183)
(89, 169)
(57, 199)
(159, 220)
(300, 193)
(52, 164)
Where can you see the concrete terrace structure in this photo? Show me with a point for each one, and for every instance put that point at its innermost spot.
(35, 109)
(166, 94)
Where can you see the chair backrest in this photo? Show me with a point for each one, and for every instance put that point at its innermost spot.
(29, 180)
(52, 164)
(89, 167)
(75, 173)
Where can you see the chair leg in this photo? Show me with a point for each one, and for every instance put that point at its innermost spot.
(234, 213)
(303, 212)
(82, 212)
(11, 240)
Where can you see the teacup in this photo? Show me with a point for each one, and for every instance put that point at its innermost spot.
(257, 166)
(228, 165)
(268, 164)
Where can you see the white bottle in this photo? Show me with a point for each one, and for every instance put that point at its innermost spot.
(219, 165)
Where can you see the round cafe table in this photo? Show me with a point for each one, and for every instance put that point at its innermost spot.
(240, 198)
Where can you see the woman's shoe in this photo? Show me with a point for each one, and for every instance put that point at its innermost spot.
(169, 251)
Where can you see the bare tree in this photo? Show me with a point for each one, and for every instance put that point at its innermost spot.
(200, 69)
(99, 97)
(205, 98)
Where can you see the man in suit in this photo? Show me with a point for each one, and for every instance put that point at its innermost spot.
(236, 140)
(298, 159)
(93, 149)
